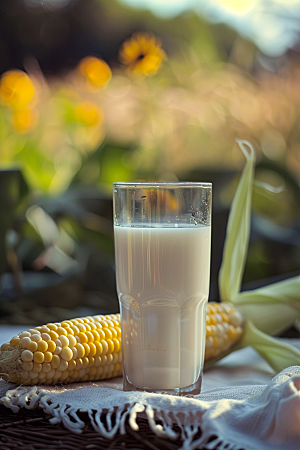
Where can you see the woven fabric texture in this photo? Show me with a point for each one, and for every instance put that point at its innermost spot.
(264, 417)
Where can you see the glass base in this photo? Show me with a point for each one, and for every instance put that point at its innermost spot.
(193, 389)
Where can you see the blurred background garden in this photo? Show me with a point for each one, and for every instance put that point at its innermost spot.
(94, 91)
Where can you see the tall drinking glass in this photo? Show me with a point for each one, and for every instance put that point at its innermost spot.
(162, 237)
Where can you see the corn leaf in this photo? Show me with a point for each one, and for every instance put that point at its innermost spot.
(278, 354)
(286, 291)
(272, 308)
(238, 230)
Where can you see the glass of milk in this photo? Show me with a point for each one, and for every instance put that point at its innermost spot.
(162, 235)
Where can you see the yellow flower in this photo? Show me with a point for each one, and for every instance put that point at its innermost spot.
(16, 89)
(89, 114)
(95, 70)
(142, 54)
(24, 120)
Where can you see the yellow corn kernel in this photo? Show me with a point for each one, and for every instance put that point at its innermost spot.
(42, 346)
(69, 331)
(64, 375)
(75, 374)
(108, 333)
(37, 367)
(75, 329)
(50, 374)
(83, 338)
(103, 360)
(85, 362)
(48, 357)
(93, 349)
(43, 329)
(46, 367)
(46, 336)
(95, 335)
(27, 355)
(80, 350)
(90, 336)
(109, 358)
(117, 345)
(51, 346)
(101, 334)
(81, 328)
(110, 345)
(66, 354)
(53, 335)
(91, 361)
(114, 333)
(72, 340)
(55, 361)
(99, 348)
(213, 319)
(87, 349)
(78, 321)
(15, 341)
(104, 346)
(63, 365)
(79, 363)
(25, 341)
(61, 331)
(24, 334)
(27, 365)
(71, 365)
(38, 357)
(93, 371)
(64, 341)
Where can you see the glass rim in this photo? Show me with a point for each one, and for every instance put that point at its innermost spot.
(157, 184)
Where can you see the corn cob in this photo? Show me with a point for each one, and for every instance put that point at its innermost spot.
(74, 350)
(89, 348)
(223, 328)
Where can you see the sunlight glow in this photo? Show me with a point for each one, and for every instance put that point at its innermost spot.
(271, 24)
(238, 6)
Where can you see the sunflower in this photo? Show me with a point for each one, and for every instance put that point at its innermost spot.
(142, 54)
(16, 89)
(95, 70)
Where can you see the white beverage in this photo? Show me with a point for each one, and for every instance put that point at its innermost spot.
(163, 286)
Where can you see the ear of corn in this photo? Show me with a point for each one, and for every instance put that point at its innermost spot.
(74, 350)
(89, 349)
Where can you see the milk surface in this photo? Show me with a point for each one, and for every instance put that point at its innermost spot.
(163, 285)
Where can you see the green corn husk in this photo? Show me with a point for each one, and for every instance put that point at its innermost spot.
(270, 309)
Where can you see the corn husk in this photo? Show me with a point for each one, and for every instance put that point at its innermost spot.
(268, 310)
